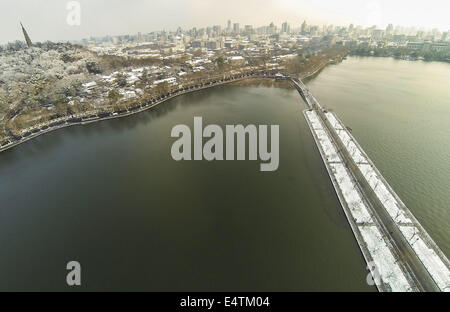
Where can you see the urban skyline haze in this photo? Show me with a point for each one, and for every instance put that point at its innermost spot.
(46, 20)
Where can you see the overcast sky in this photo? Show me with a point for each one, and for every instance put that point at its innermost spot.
(46, 19)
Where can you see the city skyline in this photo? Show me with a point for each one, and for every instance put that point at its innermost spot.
(120, 17)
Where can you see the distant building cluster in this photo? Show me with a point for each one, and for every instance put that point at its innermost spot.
(233, 36)
(198, 50)
(114, 73)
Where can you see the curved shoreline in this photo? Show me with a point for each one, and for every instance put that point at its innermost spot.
(132, 111)
(135, 110)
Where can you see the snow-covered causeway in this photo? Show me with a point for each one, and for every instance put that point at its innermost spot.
(375, 246)
(428, 252)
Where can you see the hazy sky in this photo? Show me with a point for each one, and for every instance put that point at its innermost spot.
(46, 19)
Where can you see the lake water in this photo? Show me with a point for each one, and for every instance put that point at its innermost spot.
(110, 196)
(400, 114)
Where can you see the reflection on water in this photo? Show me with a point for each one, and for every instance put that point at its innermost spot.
(109, 195)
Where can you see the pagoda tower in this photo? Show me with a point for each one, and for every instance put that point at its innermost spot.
(27, 38)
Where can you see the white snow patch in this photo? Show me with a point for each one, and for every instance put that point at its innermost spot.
(353, 149)
(327, 146)
(434, 264)
(384, 195)
(334, 122)
(348, 188)
(385, 262)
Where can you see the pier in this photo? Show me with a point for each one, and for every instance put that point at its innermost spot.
(397, 249)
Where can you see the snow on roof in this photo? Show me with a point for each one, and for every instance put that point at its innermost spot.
(168, 80)
(287, 56)
(138, 70)
(198, 61)
(132, 78)
(127, 93)
(198, 68)
(89, 85)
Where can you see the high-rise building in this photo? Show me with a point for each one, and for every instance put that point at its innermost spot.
(25, 34)
(248, 29)
(377, 34)
(229, 26)
(217, 29)
(285, 28)
(236, 28)
(272, 29)
(304, 28)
